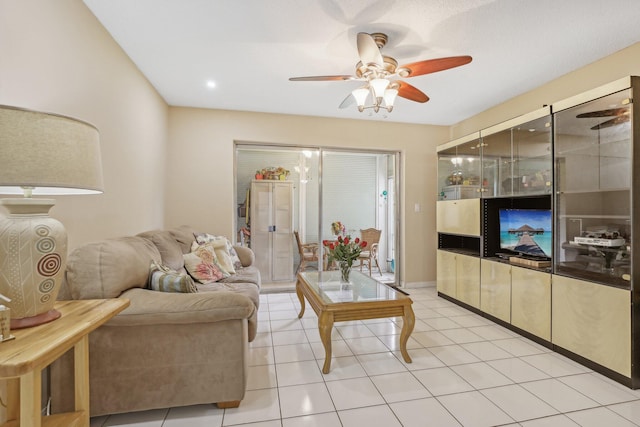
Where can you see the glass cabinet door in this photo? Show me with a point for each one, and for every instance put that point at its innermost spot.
(532, 164)
(516, 156)
(459, 169)
(593, 170)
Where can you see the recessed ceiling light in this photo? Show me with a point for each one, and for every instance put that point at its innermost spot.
(211, 84)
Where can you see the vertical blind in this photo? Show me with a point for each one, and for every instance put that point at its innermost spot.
(349, 191)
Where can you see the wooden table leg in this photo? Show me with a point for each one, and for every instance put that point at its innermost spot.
(30, 399)
(325, 326)
(10, 396)
(408, 322)
(301, 298)
(81, 374)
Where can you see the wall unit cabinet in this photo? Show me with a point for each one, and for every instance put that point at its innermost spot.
(467, 285)
(495, 289)
(271, 215)
(593, 321)
(575, 158)
(446, 273)
(531, 301)
(517, 295)
(457, 277)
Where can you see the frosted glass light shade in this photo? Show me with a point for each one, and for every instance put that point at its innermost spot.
(390, 97)
(379, 86)
(360, 95)
(53, 154)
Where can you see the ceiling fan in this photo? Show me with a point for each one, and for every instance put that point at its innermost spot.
(620, 115)
(380, 73)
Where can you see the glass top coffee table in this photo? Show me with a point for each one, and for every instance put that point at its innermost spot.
(360, 299)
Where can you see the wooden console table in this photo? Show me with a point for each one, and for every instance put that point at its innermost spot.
(33, 349)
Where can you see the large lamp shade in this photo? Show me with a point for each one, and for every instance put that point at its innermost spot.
(40, 154)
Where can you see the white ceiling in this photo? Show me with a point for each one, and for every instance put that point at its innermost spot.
(251, 47)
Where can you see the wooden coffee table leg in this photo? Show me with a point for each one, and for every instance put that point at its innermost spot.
(301, 298)
(325, 326)
(408, 322)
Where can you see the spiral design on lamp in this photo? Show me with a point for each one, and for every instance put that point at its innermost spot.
(49, 265)
(46, 286)
(45, 298)
(42, 230)
(45, 245)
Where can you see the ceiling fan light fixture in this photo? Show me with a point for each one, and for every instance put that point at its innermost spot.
(360, 96)
(376, 69)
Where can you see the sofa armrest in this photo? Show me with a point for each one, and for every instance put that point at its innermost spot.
(149, 307)
(246, 255)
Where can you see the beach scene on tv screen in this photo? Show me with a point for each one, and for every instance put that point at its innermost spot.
(526, 231)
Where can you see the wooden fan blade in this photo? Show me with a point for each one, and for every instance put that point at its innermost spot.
(434, 65)
(368, 50)
(411, 93)
(321, 78)
(604, 113)
(615, 121)
(347, 102)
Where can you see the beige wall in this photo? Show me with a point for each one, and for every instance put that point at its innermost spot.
(625, 62)
(200, 171)
(56, 57)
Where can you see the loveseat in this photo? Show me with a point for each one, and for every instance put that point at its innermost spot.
(166, 349)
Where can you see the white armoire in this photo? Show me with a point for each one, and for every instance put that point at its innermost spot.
(271, 216)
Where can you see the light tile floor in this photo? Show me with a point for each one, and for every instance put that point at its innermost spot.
(466, 371)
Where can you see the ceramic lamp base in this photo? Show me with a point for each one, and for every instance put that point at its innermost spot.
(33, 254)
(38, 319)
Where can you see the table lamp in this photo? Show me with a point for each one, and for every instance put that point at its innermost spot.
(40, 154)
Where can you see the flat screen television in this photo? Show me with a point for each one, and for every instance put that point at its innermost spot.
(526, 231)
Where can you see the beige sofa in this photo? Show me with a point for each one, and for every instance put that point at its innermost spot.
(166, 349)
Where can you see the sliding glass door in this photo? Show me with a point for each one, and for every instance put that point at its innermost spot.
(355, 188)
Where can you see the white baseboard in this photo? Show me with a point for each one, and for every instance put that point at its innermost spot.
(415, 285)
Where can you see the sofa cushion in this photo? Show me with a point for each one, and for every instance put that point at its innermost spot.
(157, 308)
(169, 248)
(204, 270)
(184, 235)
(164, 279)
(246, 255)
(109, 267)
(249, 274)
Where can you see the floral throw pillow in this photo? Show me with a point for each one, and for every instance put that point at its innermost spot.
(219, 248)
(204, 238)
(202, 270)
(164, 279)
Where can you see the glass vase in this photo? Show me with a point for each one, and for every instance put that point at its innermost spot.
(345, 271)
